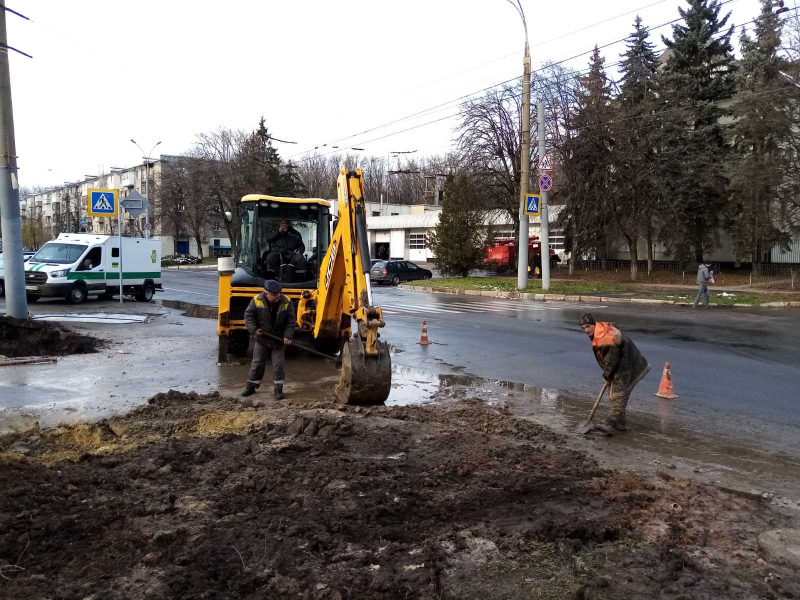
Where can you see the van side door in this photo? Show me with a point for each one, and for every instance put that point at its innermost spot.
(91, 269)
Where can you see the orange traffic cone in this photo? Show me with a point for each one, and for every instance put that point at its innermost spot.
(665, 390)
(424, 341)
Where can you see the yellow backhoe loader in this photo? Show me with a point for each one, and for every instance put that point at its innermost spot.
(325, 271)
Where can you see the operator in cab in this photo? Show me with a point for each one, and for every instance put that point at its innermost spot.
(285, 247)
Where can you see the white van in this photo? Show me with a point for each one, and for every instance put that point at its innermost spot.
(77, 265)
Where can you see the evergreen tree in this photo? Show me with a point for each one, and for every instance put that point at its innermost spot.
(762, 121)
(459, 241)
(588, 168)
(262, 166)
(699, 77)
(637, 191)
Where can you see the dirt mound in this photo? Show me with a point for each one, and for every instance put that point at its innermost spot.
(38, 338)
(198, 498)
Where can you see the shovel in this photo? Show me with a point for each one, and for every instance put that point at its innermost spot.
(306, 348)
(587, 426)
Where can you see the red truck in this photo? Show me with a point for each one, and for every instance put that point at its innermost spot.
(501, 258)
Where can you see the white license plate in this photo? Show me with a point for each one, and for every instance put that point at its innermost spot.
(32, 288)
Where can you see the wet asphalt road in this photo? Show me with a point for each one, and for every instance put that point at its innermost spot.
(737, 371)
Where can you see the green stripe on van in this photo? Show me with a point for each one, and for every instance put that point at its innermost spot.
(80, 275)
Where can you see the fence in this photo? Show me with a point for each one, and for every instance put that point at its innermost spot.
(774, 276)
(660, 266)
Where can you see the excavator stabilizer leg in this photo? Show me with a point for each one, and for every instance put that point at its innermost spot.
(365, 379)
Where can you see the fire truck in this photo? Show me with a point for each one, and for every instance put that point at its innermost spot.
(501, 258)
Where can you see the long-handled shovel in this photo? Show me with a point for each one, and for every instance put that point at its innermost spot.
(306, 348)
(587, 427)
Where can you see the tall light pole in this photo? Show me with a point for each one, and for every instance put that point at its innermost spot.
(147, 159)
(525, 166)
(11, 225)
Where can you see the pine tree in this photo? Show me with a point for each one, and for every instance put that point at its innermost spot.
(459, 242)
(761, 156)
(699, 77)
(588, 168)
(637, 189)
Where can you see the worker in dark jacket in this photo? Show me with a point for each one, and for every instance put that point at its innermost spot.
(286, 247)
(623, 368)
(269, 312)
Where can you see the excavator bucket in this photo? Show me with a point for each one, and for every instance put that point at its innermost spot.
(365, 379)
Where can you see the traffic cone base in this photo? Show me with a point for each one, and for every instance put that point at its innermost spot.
(424, 341)
(665, 389)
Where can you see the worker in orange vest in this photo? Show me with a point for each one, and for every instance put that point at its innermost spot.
(623, 368)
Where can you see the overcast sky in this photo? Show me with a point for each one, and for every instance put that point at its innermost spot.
(106, 71)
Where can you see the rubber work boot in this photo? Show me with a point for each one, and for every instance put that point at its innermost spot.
(606, 427)
(279, 392)
(249, 390)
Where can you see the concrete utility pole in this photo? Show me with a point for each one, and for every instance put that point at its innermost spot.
(544, 230)
(16, 301)
(525, 166)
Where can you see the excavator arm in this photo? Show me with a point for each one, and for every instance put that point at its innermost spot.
(344, 298)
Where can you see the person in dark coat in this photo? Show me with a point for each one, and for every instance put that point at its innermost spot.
(623, 368)
(286, 247)
(269, 312)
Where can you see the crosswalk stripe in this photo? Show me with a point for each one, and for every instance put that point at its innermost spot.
(421, 308)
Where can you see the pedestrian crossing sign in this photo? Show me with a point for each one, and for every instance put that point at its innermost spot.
(533, 205)
(102, 203)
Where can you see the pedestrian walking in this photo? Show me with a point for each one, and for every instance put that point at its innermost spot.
(704, 276)
(269, 312)
(623, 368)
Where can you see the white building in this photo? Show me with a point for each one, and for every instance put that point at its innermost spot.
(404, 235)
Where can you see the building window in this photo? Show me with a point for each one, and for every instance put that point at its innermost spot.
(376, 213)
(416, 241)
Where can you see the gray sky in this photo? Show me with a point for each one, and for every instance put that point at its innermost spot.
(106, 71)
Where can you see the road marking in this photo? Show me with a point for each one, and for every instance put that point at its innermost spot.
(188, 292)
(418, 308)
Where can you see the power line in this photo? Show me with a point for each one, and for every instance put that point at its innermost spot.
(548, 65)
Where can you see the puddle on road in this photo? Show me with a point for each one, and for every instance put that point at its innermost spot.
(198, 311)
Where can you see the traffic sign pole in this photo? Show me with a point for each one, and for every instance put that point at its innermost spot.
(119, 235)
(544, 237)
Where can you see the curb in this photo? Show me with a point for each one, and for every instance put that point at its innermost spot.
(191, 267)
(570, 298)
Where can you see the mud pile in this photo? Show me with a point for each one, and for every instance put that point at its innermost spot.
(38, 338)
(194, 497)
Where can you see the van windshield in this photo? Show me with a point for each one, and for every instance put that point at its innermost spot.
(62, 254)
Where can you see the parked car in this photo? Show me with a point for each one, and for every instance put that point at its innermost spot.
(395, 271)
(25, 256)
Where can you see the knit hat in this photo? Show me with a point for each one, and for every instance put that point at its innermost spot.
(587, 319)
(272, 286)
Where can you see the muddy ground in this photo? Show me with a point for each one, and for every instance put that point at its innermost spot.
(197, 497)
(37, 338)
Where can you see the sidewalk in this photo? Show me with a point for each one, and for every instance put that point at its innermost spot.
(636, 297)
(191, 267)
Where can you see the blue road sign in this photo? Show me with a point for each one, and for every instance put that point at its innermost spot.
(545, 183)
(533, 205)
(102, 203)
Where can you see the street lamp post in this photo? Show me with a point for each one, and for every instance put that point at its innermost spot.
(525, 166)
(147, 158)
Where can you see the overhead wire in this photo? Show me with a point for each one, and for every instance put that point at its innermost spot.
(544, 67)
(361, 143)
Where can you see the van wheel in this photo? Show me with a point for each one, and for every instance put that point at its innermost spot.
(2, 289)
(77, 294)
(147, 293)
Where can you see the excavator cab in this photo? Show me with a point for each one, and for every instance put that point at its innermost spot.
(281, 240)
(324, 268)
